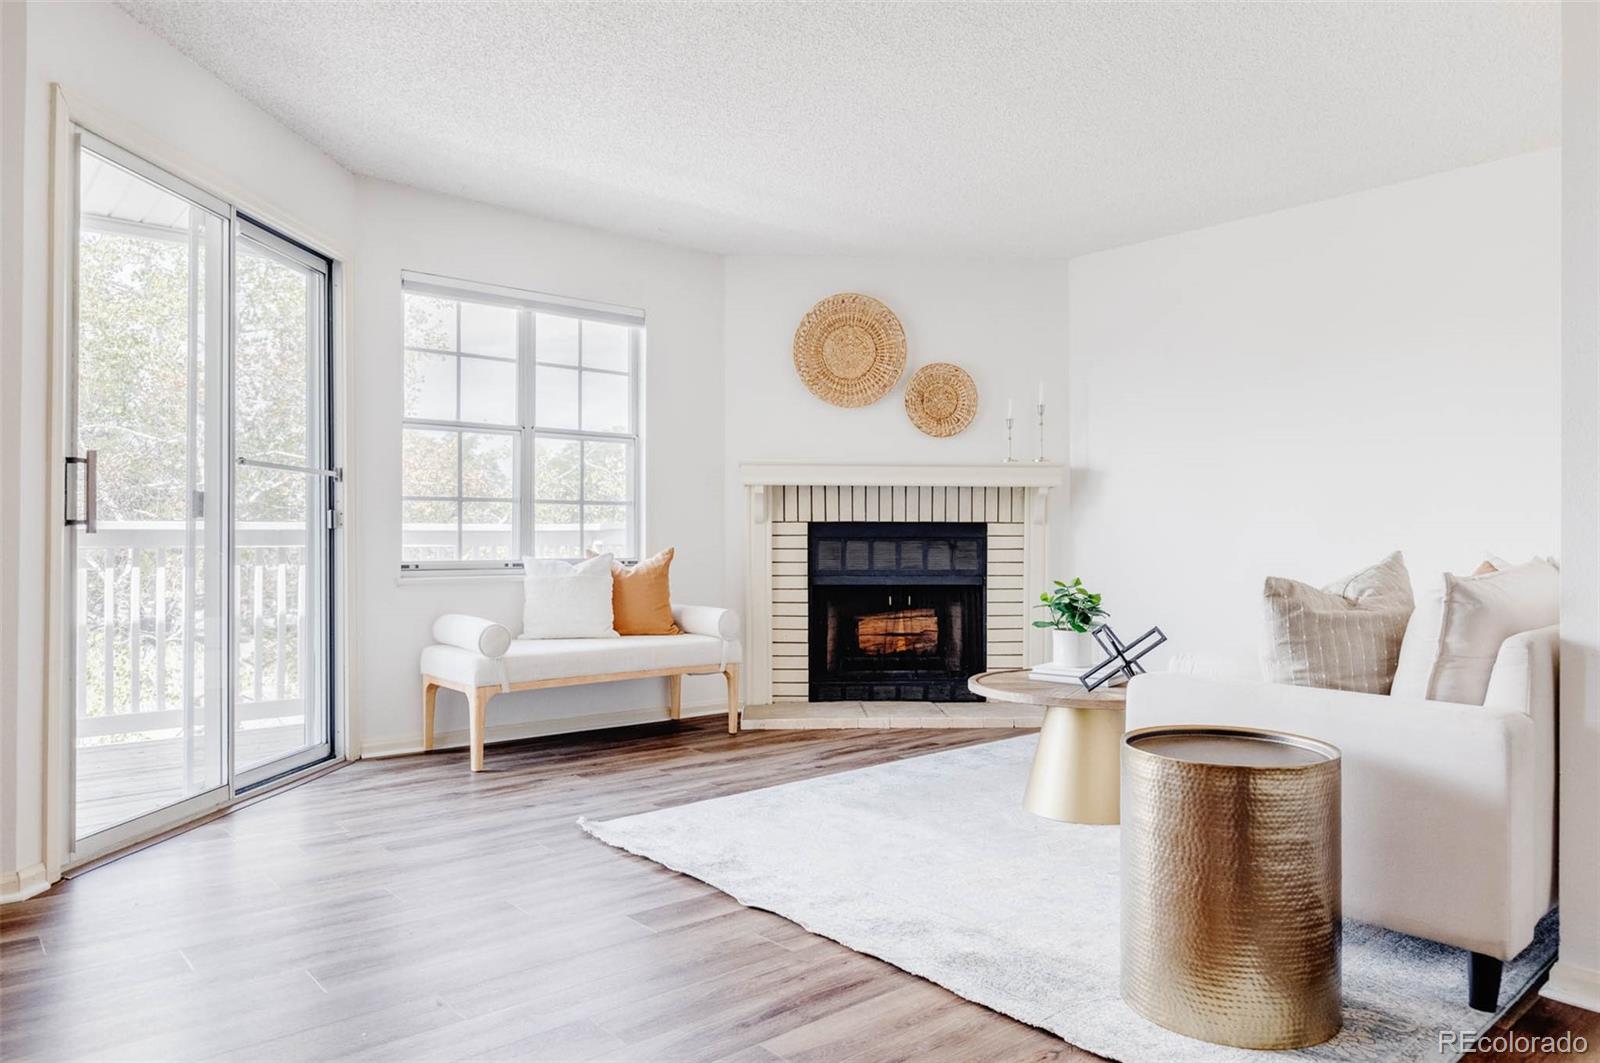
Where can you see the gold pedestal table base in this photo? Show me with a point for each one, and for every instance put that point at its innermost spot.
(1075, 776)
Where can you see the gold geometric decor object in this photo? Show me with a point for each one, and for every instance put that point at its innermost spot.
(941, 399)
(849, 350)
(1230, 884)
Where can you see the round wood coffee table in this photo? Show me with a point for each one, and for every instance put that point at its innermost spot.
(1076, 769)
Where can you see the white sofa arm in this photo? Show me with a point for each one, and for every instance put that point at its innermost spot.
(1446, 808)
(472, 633)
(1525, 671)
(707, 620)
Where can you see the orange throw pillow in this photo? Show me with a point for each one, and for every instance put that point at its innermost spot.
(641, 601)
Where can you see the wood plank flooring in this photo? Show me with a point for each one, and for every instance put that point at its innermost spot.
(406, 909)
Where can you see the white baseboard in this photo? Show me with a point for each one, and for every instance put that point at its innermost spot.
(538, 728)
(1573, 985)
(20, 885)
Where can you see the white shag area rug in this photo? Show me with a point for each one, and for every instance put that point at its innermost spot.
(932, 864)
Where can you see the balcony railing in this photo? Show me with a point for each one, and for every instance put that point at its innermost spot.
(141, 632)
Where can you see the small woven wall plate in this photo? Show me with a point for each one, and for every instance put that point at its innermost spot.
(849, 350)
(941, 399)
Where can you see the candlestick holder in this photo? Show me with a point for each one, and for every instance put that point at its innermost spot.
(1009, 422)
(1041, 433)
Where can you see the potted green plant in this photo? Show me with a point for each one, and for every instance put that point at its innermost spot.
(1074, 613)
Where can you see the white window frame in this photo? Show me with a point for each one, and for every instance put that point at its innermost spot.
(527, 304)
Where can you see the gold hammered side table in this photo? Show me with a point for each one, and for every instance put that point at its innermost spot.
(1230, 884)
(1075, 768)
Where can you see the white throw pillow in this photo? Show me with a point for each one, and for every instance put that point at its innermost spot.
(1345, 636)
(566, 600)
(1456, 631)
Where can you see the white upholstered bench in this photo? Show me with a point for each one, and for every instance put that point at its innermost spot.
(480, 659)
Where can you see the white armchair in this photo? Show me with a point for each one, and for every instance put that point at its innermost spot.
(1448, 810)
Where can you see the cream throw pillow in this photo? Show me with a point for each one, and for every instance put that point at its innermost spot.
(1455, 634)
(1345, 636)
(564, 600)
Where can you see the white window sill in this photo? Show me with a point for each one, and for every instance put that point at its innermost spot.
(407, 577)
(431, 576)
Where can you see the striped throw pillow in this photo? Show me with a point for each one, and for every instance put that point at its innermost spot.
(1345, 636)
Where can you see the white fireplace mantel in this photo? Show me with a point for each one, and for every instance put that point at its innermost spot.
(1045, 474)
(1016, 499)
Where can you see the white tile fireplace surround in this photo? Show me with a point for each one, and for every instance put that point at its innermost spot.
(782, 499)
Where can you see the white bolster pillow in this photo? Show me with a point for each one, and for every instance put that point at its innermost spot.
(473, 633)
(707, 620)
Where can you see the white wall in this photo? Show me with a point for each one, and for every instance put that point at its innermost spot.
(13, 86)
(681, 295)
(152, 96)
(1301, 393)
(1005, 322)
(1575, 978)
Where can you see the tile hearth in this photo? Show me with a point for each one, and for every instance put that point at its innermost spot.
(824, 715)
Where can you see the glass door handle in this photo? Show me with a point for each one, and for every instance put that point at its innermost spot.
(336, 473)
(90, 463)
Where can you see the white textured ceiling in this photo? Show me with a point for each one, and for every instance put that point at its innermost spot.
(965, 128)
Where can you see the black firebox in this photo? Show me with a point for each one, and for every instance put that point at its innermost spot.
(897, 611)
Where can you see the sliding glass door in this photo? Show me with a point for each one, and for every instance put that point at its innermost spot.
(197, 518)
(282, 499)
(145, 522)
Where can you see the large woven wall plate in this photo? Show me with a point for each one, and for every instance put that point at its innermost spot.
(849, 350)
(941, 399)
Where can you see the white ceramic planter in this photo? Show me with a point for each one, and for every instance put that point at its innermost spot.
(1069, 649)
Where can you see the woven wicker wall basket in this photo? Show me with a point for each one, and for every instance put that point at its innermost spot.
(941, 399)
(849, 350)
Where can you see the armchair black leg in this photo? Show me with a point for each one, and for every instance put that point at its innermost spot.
(1483, 982)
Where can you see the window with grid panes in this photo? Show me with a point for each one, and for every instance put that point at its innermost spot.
(520, 429)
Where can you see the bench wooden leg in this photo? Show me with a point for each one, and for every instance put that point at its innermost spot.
(430, 699)
(675, 697)
(478, 714)
(732, 673)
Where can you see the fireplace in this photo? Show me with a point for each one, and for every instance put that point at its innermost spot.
(1011, 502)
(896, 610)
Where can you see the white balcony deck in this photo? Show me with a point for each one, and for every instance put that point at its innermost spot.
(119, 781)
